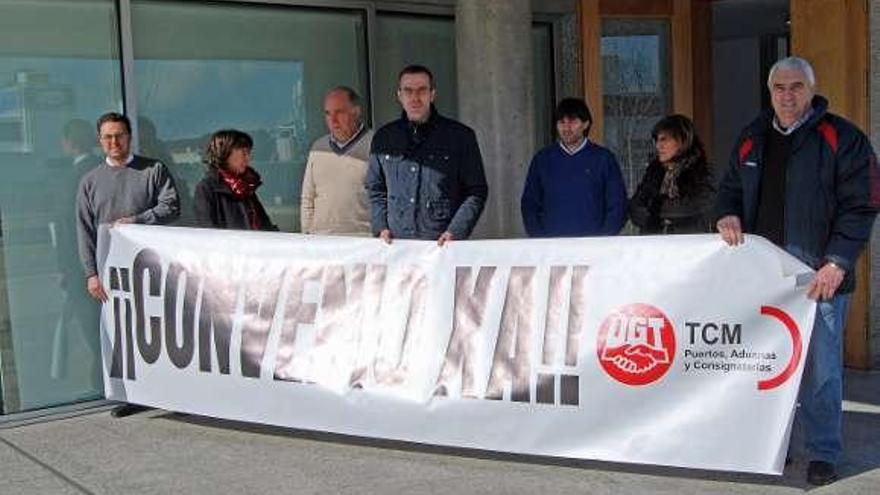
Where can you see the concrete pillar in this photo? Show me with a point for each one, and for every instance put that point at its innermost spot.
(874, 247)
(494, 57)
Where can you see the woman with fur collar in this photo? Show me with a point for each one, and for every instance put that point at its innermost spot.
(674, 196)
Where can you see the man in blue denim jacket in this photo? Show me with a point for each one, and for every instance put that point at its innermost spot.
(425, 178)
(808, 181)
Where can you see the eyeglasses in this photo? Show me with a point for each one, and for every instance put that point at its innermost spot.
(114, 137)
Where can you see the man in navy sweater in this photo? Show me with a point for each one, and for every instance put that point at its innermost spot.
(574, 187)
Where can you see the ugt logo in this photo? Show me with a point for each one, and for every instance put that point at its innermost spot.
(636, 344)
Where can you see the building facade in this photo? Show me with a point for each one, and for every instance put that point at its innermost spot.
(185, 68)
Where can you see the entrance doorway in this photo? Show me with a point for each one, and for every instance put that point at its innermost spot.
(748, 36)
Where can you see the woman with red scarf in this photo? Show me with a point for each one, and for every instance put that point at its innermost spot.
(226, 198)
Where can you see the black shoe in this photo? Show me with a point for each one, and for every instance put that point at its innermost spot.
(127, 410)
(821, 473)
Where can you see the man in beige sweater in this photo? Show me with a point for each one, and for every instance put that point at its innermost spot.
(334, 200)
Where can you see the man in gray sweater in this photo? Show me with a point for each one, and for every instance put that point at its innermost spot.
(125, 188)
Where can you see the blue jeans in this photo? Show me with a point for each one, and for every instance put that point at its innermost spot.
(821, 392)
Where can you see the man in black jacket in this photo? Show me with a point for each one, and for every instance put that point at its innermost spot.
(808, 181)
(425, 177)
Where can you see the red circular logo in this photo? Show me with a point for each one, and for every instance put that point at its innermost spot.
(636, 344)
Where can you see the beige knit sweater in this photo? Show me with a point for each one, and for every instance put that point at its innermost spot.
(334, 200)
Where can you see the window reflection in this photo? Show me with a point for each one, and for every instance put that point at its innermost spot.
(53, 85)
(404, 39)
(543, 77)
(263, 99)
(635, 82)
(198, 67)
(260, 69)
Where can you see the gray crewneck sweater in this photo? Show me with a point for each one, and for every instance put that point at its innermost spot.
(143, 189)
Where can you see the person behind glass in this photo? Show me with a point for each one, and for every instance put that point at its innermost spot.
(675, 193)
(226, 197)
(77, 309)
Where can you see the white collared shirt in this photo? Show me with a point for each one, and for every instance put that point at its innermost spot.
(127, 161)
(573, 151)
(353, 136)
(793, 127)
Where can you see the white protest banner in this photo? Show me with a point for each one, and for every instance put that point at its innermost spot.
(676, 350)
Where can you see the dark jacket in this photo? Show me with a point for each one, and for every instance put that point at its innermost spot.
(690, 213)
(425, 179)
(832, 188)
(218, 208)
(573, 195)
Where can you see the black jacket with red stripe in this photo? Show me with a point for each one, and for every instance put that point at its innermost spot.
(832, 188)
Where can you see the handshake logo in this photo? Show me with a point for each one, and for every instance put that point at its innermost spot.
(636, 344)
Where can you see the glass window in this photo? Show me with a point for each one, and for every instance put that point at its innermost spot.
(200, 67)
(59, 70)
(636, 87)
(545, 92)
(405, 39)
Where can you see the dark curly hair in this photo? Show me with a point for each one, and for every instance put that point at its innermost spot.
(695, 172)
(222, 143)
(574, 108)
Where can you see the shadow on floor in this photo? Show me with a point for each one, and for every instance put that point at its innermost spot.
(861, 440)
(792, 477)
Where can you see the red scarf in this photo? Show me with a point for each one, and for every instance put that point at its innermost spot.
(244, 187)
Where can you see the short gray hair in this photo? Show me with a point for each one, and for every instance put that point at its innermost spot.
(793, 63)
(352, 95)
